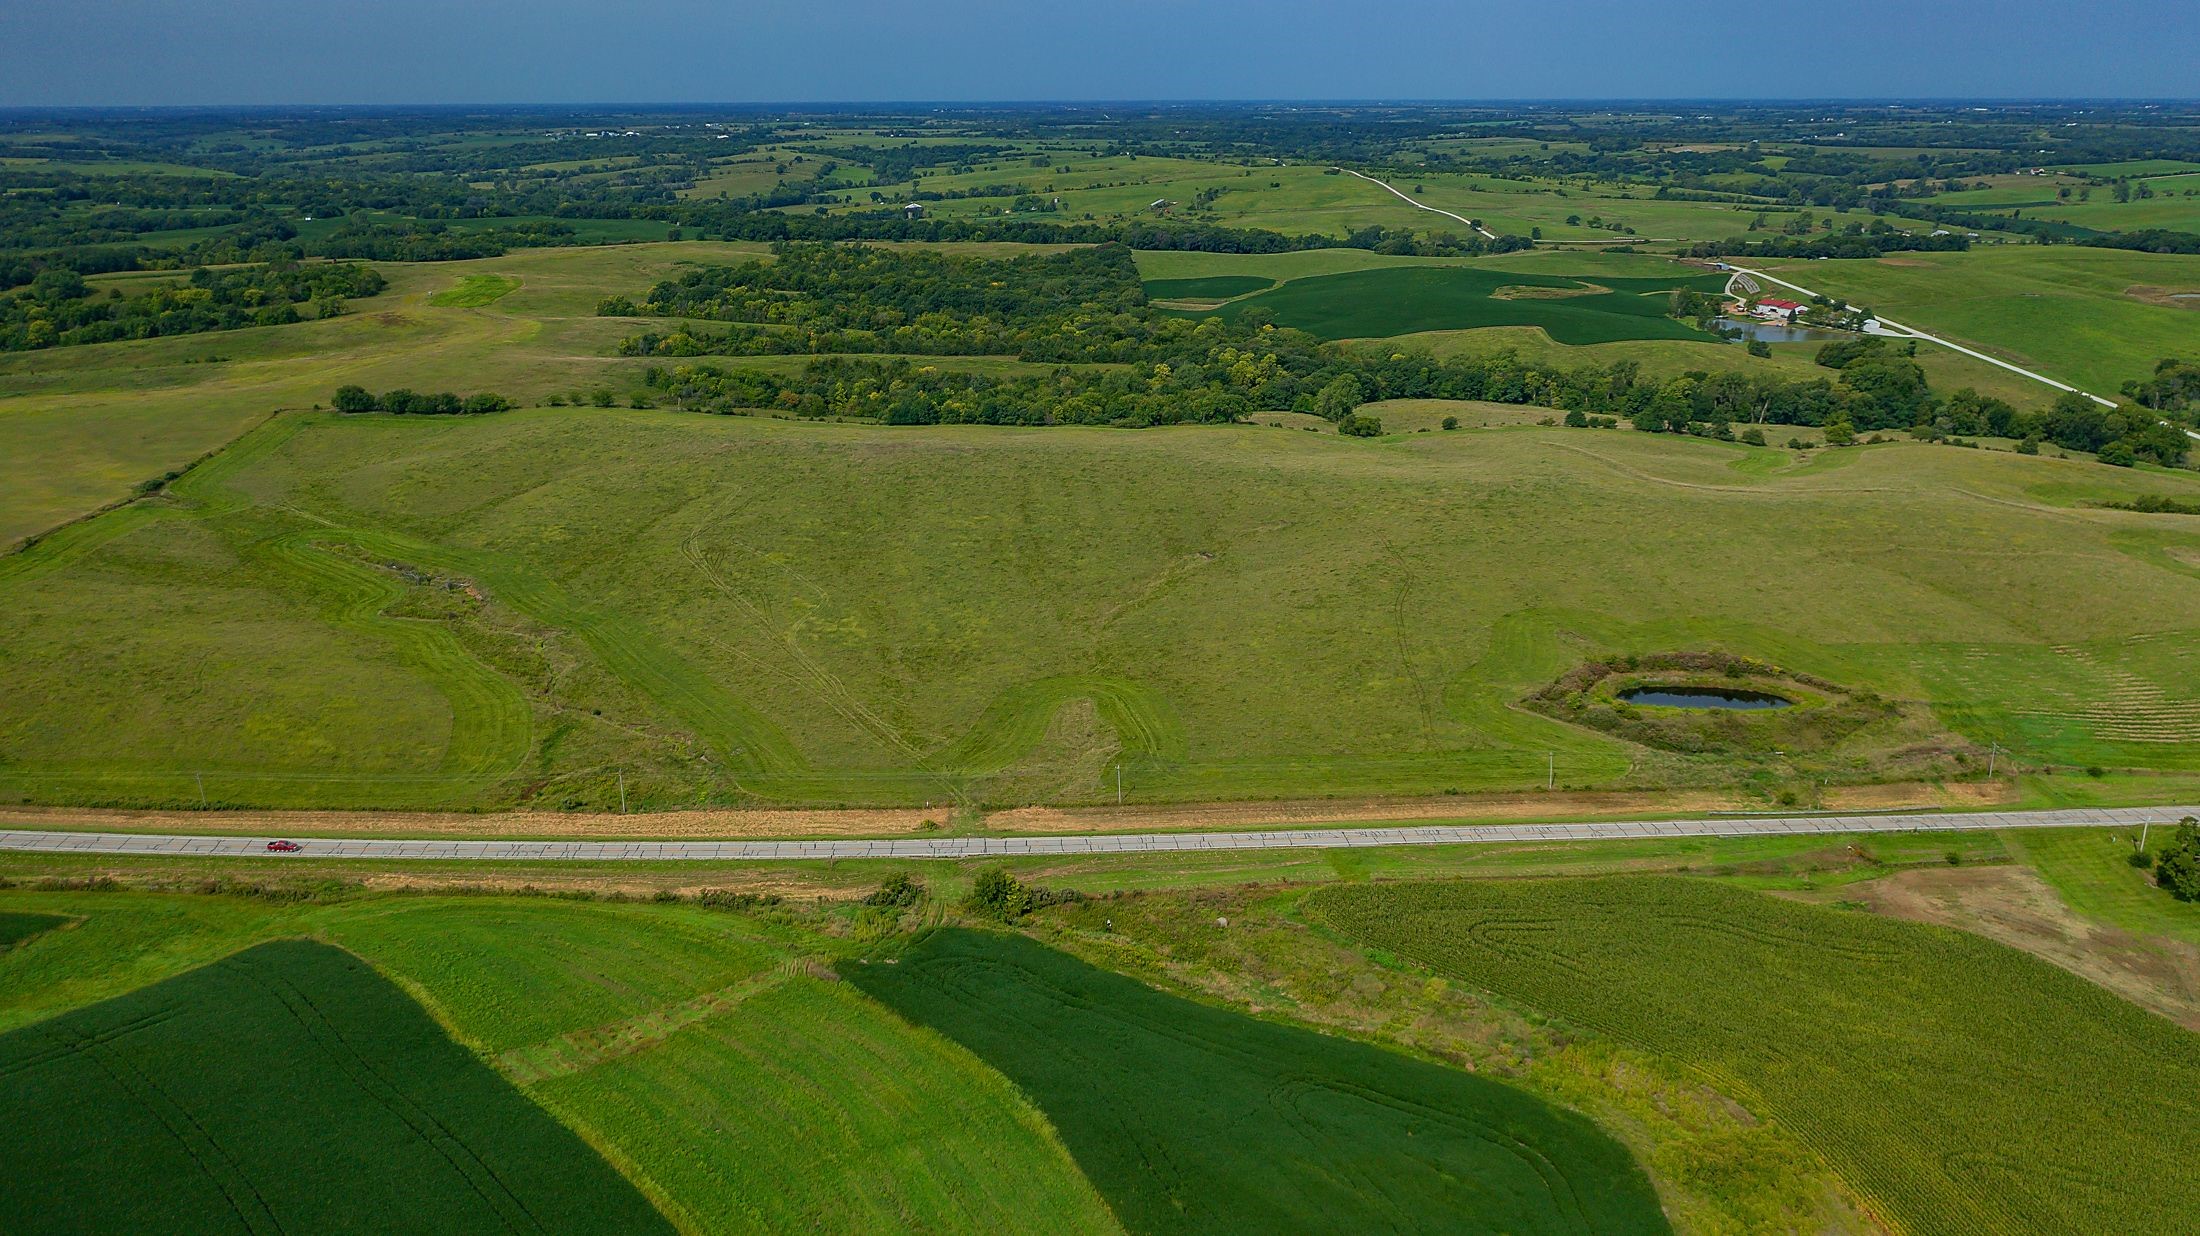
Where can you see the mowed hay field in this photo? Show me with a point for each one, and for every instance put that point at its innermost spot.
(702, 1054)
(2096, 318)
(1965, 1086)
(419, 612)
(287, 1087)
(1190, 1118)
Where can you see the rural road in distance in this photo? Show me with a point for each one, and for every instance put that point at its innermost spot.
(149, 844)
(1486, 233)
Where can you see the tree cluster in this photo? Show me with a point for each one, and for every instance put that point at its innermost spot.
(59, 309)
(402, 402)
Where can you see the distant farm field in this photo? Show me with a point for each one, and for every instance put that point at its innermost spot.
(1213, 287)
(1254, 1126)
(288, 1087)
(1961, 1083)
(1404, 300)
(2092, 317)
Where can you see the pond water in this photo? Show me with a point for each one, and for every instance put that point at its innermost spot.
(1772, 332)
(1703, 697)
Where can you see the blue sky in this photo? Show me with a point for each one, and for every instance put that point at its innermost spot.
(464, 51)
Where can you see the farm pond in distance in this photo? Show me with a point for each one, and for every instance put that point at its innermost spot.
(1704, 697)
(1772, 332)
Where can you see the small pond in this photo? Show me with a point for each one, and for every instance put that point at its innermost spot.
(1771, 332)
(1703, 697)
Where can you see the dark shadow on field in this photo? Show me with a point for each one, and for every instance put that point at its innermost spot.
(17, 928)
(287, 1088)
(1190, 1118)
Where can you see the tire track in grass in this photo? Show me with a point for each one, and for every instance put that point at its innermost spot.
(492, 724)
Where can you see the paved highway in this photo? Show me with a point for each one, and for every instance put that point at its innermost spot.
(61, 842)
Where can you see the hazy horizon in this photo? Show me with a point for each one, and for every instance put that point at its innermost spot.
(151, 53)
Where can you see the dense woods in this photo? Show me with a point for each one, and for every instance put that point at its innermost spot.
(58, 308)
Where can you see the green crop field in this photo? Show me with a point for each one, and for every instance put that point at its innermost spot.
(704, 1054)
(1404, 300)
(287, 1087)
(1965, 1086)
(1213, 287)
(1189, 1118)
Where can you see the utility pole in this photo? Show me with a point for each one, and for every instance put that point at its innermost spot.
(622, 793)
(1119, 783)
(1993, 750)
(1550, 770)
(202, 787)
(2143, 835)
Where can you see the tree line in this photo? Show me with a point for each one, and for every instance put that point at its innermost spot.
(402, 402)
(59, 308)
(1119, 362)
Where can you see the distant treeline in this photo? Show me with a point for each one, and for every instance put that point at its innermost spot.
(2151, 240)
(1835, 245)
(850, 303)
(2156, 504)
(402, 402)
(58, 308)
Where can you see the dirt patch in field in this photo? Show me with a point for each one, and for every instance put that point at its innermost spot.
(2014, 906)
(1910, 262)
(2174, 298)
(730, 823)
(638, 885)
(1522, 291)
(725, 822)
(1894, 796)
(1306, 813)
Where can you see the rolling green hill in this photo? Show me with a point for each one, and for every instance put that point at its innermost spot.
(469, 611)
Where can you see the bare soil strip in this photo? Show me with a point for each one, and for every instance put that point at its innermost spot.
(731, 823)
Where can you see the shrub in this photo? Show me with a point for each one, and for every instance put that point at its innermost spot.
(353, 399)
(726, 899)
(998, 895)
(899, 891)
(2177, 868)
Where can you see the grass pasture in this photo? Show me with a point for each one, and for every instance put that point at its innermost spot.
(17, 928)
(1259, 1127)
(1956, 1082)
(734, 608)
(2082, 315)
(474, 291)
(287, 1087)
